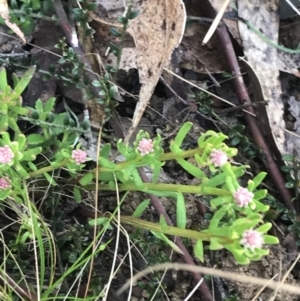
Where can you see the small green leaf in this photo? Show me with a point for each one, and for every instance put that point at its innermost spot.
(105, 151)
(39, 106)
(30, 154)
(49, 105)
(122, 20)
(23, 83)
(35, 139)
(288, 158)
(99, 221)
(114, 31)
(21, 171)
(264, 228)
(4, 194)
(77, 194)
(162, 222)
(290, 184)
(191, 169)
(180, 211)
(6, 138)
(32, 166)
(133, 14)
(112, 92)
(164, 238)
(198, 250)
(86, 179)
(260, 194)
(258, 179)
(182, 133)
(19, 110)
(50, 179)
(260, 253)
(214, 244)
(271, 240)
(141, 208)
(214, 223)
(107, 163)
(235, 141)
(3, 79)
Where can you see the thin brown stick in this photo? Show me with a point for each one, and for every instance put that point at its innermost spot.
(256, 133)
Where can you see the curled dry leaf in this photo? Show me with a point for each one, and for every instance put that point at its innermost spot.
(157, 30)
(4, 13)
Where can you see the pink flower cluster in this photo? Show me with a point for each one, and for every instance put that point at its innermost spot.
(6, 155)
(145, 146)
(4, 183)
(218, 157)
(252, 239)
(79, 156)
(243, 197)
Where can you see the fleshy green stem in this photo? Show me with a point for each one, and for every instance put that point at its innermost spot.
(47, 169)
(171, 188)
(174, 231)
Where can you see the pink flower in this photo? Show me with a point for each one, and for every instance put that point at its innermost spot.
(252, 239)
(6, 155)
(4, 184)
(79, 156)
(218, 157)
(145, 146)
(243, 197)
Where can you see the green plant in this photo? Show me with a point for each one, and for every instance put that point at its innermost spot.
(51, 158)
(23, 13)
(236, 135)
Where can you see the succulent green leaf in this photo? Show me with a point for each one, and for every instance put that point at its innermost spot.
(214, 223)
(30, 154)
(77, 194)
(264, 228)
(34, 139)
(141, 208)
(32, 166)
(165, 239)
(21, 171)
(106, 163)
(214, 244)
(23, 83)
(191, 169)
(258, 179)
(3, 79)
(99, 222)
(39, 106)
(86, 179)
(198, 250)
(6, 138)
(50, 179)
(270, 240)
(49, 105)
(162, 222)
(4, 194)
(183, 131)
(260, 194)
(180, 211)
(105, 151)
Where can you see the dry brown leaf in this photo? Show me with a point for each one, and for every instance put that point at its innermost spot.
(4, 13)
(157, 30)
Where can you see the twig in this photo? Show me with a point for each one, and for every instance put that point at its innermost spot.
(173, 91)
(243, 96)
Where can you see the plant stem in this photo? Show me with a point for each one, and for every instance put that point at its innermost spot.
(47, 169)
(167, 188)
